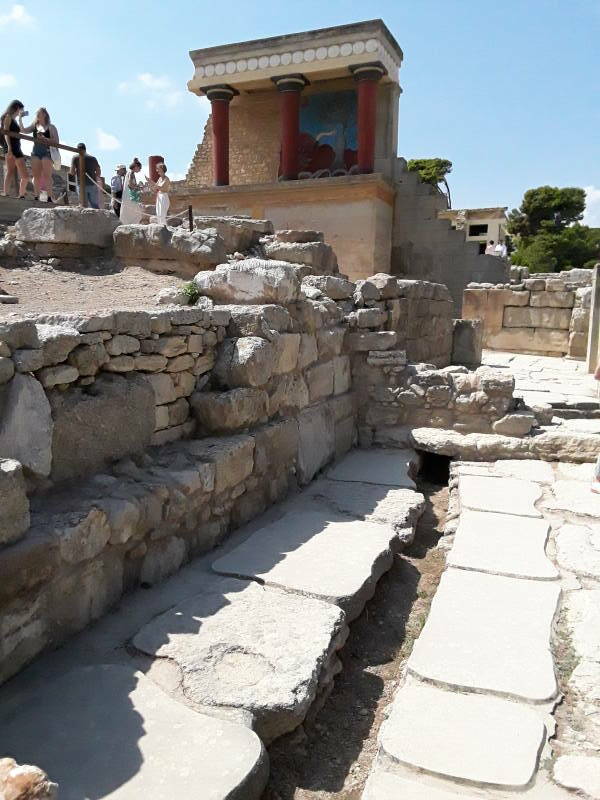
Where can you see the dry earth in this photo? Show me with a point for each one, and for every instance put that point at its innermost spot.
(330, 758)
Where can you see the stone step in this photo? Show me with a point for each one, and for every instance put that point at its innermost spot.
(382, 467)
(244, 646)
(317, 553)
(472, 738)
(493, 543)
(107, 731)
(501, 495)
(383, 785)
(489, 633)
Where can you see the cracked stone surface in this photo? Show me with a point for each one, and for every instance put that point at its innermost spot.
(578, 550)
(316, 553)
(107, 731)
(502, 495)
(241, 645)
(575, 497)
(452, 735)
(510, 546)
(383, 467)
(476, 626)
(579, 773)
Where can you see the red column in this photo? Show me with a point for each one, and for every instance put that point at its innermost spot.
(220, 97)
(367, 77)
(290, 88)
(152, 162)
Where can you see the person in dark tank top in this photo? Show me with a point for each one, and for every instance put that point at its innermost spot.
(46, 136)
(14, 156)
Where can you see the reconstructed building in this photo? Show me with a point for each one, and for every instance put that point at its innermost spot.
(480, 225)
(304, 131)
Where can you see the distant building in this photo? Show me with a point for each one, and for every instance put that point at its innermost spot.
(479, 224)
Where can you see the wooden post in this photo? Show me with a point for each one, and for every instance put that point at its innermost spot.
(191, 218)
(82, 197)
(594, 331)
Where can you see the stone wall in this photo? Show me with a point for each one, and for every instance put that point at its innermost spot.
(547, 315)
(131, 441)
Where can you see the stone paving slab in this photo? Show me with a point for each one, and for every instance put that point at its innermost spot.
(502, 495)
(579, 773)
(502, 545)
(583, 425)
(400, 508)
(241, 645)
(578, 550)
(382, 467)
(317, 553)
(489, 633)
(467, 737)
(575, 472)
(575, 497)
(108, 732)
(383, 785)
(537, 471)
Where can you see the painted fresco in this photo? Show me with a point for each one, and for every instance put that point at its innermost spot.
(328, 134)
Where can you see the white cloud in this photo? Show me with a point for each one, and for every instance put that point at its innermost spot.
(7, 80)
(157, 91)
(106, 141)
(17, 15)
(591, 216)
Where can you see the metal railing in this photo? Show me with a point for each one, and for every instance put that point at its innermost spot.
(59, 146)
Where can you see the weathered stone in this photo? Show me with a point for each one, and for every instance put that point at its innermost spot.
(311, 541)
(375, 340)
(57, 341)
(121, 344)
(537, 318)
(184, 383)
(318, 255)
(258, 320)
(307, 353)
(503, 495)
(180, 363)
(13, 502)
(382, 467)
(25, 782)
(7, 369)
(286, 347)
(169, 346)
(161, 418)
(370, 317)
(288, 392)
(26, 424)
(247, 361)
(84, 540)
(232, 456)
(299, 236)
(387, 285)
(578, 550)
(424, 720)
(580, 773)
(172, 295)
(238, 233)
(140, 757)
(330, 285)
(230, 411)
(552, 299)
(67, 225)
(342, 378)
(119, 364)
(251, 281)
(54, 376)
(365, 290)
(87, 358)
(256, 648)
(518, 424)
(276, 443)
(467, 342)
(89, 420)
(330, 342)
(163, 558)
(160, 242)
(317, 443)
(18, 334)
(163, 387)
(150, 363)
(320, 381)
(494, 381)
(535, 284)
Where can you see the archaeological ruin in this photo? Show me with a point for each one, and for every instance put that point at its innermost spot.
(295, 490)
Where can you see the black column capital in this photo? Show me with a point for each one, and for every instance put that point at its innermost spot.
(221, 91)
(290, 83)
(371, 71)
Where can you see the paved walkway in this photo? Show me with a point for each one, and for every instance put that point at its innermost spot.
(174, 696)
(561, 382)
(514, 628)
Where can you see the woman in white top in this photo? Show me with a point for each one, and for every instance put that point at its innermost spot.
(162, 186)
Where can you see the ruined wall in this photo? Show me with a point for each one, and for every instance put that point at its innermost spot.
(547, 315)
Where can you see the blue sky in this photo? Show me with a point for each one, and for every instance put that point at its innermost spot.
(509, 92)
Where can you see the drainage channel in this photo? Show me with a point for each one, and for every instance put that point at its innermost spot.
(331, 754)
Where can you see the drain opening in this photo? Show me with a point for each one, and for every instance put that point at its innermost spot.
(435, 468)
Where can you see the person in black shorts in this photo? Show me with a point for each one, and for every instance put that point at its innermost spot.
(14, 158)
(46, 136)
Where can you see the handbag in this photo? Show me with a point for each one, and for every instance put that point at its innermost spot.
(55, 156)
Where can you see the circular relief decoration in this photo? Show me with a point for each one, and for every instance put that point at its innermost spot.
(210, 70)
(321, 53)
(297, 57)
(358, 48)
(263, 62)
(346, 49)
(220, 69)
(275, 60)
(252, 63)
(200, 72)
(371, 46)
(333, 51)
(309, 55)
(230, 67)
(242, 65)
(286, 59)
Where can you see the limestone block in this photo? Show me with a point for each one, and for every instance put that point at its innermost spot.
(149, 363)
(374, 340)
(87, 358)
(320, 380)
(238, 233)
(583, 297)
(252, 280)
(578, 345)
(57, 341)
(318, 255)
(122, 344)
(67, 225)
(180, 363)
(555, 341)
(342, 378)
(84, 540)
(580, 320)
(330, 341)
(172, 296)
(535, 284)
(163, 388)
(119, 364)
(345, 436)
(26, 424)
(247, 361)
(163, 558)
(537, 318)
(114, 419)
(365, 290)
(14, 504)
(387, 285)
(467, 342)
(276, 443)
(232, 456)
(258, 320)
(7, 369)
(288, 392)
(500, 495)
(520, 298)
(515, 424)
(200, 249)
(316, 441)
(580, 773)
(141, 757)
(552, 299)
(330, 285)
(286, 347)
(178, 411)
(495, 381)
(555, 285)
(299, 236)
(230, 411)
(18, 334)
(370, 317)
(184, 383)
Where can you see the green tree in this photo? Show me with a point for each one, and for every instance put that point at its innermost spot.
(554, 250)
(544, 207)
(433, 171)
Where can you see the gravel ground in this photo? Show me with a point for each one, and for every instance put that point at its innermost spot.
(330, 758)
